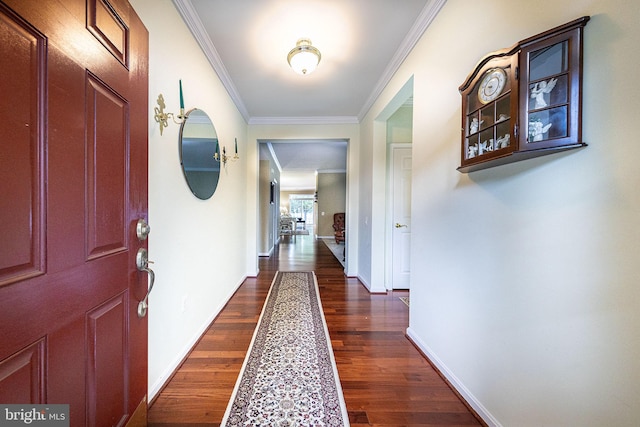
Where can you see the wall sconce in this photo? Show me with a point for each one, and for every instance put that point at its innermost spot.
(162, 118)
(223, 158)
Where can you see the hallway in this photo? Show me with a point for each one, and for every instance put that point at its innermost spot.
(385, 380)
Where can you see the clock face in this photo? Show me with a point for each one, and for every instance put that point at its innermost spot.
(491, 85)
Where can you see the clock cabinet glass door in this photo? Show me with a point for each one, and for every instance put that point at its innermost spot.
(550, 108)
(491, 103)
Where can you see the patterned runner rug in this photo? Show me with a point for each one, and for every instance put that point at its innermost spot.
(289, 376)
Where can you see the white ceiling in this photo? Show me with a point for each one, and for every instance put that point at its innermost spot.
(362, 43)
(300, 160)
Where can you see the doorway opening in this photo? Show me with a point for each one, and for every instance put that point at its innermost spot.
(310, 186)
(399, 141)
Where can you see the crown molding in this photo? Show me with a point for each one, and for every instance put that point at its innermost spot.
(319, 171)
(423, 21)
(274, 157)
(313, 120)
(193, 22)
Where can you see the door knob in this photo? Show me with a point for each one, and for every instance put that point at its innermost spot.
(398, 225)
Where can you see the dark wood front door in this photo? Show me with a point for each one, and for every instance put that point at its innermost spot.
(73, 183)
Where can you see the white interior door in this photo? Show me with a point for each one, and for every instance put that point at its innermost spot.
(401, 216)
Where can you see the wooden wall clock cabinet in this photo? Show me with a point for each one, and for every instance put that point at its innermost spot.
(524, 101)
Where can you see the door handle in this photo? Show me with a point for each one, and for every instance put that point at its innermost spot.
(398, 225)
(142, 263)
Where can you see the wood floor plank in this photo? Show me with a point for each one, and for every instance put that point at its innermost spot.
(386, 381)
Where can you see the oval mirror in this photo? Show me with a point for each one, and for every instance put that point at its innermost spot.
(198, 141)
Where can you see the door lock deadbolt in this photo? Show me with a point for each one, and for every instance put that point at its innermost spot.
(142, 229)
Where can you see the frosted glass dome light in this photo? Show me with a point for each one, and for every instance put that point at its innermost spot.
(304, 58)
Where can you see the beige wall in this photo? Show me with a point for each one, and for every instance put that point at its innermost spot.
(269, 212)
(264, 195)
(198, 246)
(331, 199)
(524, 278)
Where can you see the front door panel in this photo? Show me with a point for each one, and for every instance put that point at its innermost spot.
(73, 179)
(22, 132)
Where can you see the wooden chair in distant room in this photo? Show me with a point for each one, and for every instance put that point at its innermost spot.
(338, 226)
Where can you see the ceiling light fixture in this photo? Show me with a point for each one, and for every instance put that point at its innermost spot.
(304, 58)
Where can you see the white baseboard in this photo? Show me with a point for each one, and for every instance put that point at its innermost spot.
(454, 381)
(267, 254)
(364, 282)
(157, 386)
(368, 286)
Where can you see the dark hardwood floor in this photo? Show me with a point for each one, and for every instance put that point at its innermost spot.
(386, 381)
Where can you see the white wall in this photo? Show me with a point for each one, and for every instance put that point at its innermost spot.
(400, 125)
(525, 281)
(198, 246)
